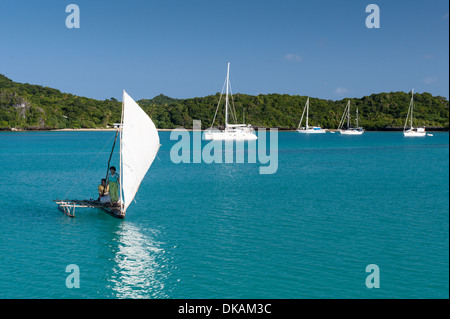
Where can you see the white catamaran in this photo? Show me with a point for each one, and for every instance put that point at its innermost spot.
(231, 131)
(308, 129)
(350, 130)
(412, 131)
(139, 144)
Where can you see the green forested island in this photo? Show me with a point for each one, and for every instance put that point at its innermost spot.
(34, 107)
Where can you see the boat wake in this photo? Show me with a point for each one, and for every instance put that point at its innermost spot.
(138, 265)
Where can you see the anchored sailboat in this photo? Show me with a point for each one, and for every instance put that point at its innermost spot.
(350, 130)
(412, 131)
(139, 144)
(308, 129)
(231, 131)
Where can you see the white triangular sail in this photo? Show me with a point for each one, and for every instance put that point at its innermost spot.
(138, 148)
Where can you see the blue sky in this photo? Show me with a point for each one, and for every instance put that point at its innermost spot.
(181, 48)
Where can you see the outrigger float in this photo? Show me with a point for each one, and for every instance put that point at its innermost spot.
(68, 207)
(139, 144)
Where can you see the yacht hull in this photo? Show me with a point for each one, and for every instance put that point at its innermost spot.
(414, 134)
(312, 131)
(347, 132)
(230, 136)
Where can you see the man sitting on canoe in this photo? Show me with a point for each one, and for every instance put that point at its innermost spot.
(103, 192)
(113, 183)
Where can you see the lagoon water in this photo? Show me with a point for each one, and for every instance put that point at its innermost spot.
(335, 205)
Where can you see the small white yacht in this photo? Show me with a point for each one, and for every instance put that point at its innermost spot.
(308, 129)
(349, 130)
(412, 131)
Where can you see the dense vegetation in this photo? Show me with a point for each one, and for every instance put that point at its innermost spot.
(26, 106)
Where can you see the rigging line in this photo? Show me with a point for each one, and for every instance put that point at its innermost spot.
(301, 119)
(85, 171)
(218, 104)
(232, 108)
(407, 117)
(341, 123)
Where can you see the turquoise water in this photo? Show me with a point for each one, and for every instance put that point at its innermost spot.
(335, 205)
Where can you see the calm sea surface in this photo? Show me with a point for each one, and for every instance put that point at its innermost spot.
(335, 205)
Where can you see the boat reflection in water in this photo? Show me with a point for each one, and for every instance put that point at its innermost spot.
(139, 265)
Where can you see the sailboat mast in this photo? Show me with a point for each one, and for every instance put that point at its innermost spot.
(307, 113)
(120, 151)
(112, 151)
(226, 98)
(348, 115)
(357, 125)
(412, 106)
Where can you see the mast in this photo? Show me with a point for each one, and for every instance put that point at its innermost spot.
(120, 152)
(412, 106)
(348, 115)
(110, 155)
(226, 98)
(307, 113)
(357, 118)
(407, 115)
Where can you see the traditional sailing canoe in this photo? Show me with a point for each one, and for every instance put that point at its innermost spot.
(139, 144)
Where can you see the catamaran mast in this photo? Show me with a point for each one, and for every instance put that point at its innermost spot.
(226, 98)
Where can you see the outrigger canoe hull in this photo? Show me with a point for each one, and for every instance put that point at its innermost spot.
(113, 211)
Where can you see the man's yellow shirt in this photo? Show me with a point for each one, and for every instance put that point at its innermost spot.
(101, 188)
